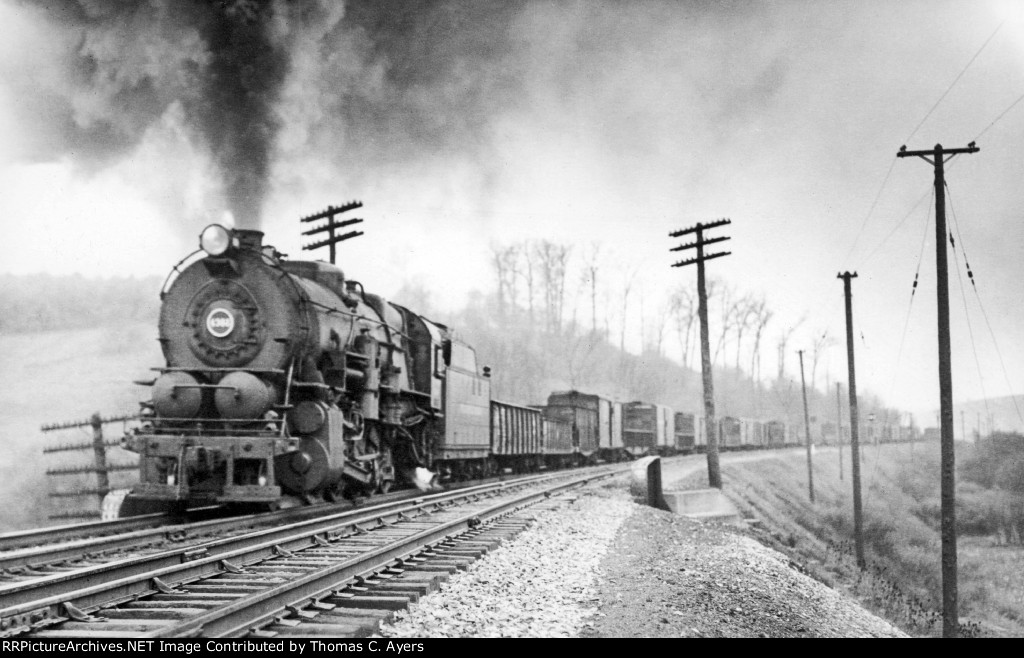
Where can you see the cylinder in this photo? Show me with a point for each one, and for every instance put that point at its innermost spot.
(307, 469)
(307, 417)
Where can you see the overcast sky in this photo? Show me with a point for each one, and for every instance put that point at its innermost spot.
(462, 125)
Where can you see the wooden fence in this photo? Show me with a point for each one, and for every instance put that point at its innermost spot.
(78, 484)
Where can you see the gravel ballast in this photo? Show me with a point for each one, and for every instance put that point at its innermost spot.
(667, 576)
(541, 584)
(603, 566)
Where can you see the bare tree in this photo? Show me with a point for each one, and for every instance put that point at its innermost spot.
(591, 260)
(763, 316)
(683, 305)
(629, 279)
(663, 314)
(580, 364)
(727, 312)
(783, 341)
(643, 322)
(505, 262)
(528, 275)
(552, 259)
(744, 318)
(515, 255)
(821, 344)
(654, 324)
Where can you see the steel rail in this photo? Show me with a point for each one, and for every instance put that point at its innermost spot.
(40, 548)
(40, 556)
(47, 598)
(251, 612)
(10, 541)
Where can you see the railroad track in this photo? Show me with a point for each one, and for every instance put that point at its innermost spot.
(21, 539)
(30, 554)
(35, 553)
(345, 570)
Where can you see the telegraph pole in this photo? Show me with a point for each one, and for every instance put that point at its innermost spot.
(937, 157)
(858, 520)
(710, 427)
(839, 429)
(807, 427)
(331, 226)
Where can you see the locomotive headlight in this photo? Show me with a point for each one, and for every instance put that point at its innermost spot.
(215, 239)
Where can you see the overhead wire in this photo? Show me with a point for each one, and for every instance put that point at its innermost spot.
(998, 118)
(913, 293)
(901, 223)
(927, 223)
(984, 313)
(914, 132)
(871, 211)
(953, 84)
(963, 296)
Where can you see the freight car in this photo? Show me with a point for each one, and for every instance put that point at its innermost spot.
(648, 429)
(776, 434)
(596, 423)
(685, 433)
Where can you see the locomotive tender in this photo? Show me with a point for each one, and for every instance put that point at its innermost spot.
(285, 382)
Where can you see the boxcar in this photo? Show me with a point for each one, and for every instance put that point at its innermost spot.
(686, 432)
(755, 434)
(647, 428)
(776, 434)
(701, 434)
(557, 440)
(589, 416)
(615, 450)
(730, 432)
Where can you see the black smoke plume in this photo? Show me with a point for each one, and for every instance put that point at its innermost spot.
(240, 86)
(301, 94)
(222, 62)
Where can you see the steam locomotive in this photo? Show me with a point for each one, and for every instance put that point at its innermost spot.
(284, 379)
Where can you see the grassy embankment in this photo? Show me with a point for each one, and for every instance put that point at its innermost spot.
(902, 582)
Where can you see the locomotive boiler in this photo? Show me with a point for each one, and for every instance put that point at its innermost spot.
(284, 380)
